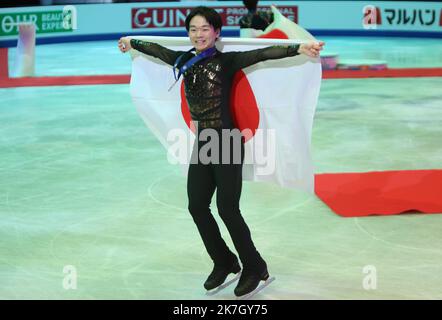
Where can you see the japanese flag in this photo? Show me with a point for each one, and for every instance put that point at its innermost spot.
(273, 102)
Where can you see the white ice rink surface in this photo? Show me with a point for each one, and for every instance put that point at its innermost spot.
(83, 183)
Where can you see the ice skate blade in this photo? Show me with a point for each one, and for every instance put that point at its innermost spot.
(254, 292)
(224, 285)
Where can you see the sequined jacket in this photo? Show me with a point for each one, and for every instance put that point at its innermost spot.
(208, 83)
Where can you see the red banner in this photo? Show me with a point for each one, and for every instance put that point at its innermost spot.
(147, 18)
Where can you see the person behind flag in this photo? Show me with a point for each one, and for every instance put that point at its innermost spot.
(258, 20)
(208, 75)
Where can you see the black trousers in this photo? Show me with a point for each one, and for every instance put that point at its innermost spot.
(226, 178)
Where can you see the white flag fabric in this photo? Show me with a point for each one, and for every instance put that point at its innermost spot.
(286, 93)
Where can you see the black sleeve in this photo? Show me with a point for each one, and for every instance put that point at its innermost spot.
(156, 50)
(248, 58)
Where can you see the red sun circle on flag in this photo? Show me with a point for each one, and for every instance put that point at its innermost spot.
(243, 106)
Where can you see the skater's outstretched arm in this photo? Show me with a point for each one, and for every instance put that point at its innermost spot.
(248, 58)
(149, 48)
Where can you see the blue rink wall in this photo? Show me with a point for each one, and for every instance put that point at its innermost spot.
(109, 21)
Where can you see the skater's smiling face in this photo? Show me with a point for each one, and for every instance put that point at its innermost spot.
(202, 34)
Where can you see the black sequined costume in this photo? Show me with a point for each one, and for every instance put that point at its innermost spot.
(208, 83)
(207, 88)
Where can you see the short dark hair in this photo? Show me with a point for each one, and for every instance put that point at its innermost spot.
(251, 4)
(211, 15)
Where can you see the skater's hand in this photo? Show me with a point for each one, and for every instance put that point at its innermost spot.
(311, 49)
(124, 44)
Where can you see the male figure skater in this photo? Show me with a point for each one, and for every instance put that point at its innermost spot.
(208, 75)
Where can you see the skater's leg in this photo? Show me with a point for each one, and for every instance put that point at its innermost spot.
(229, 184)
(200, 189)
(201, 186)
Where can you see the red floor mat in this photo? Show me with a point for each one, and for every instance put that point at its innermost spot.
(381, 193)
